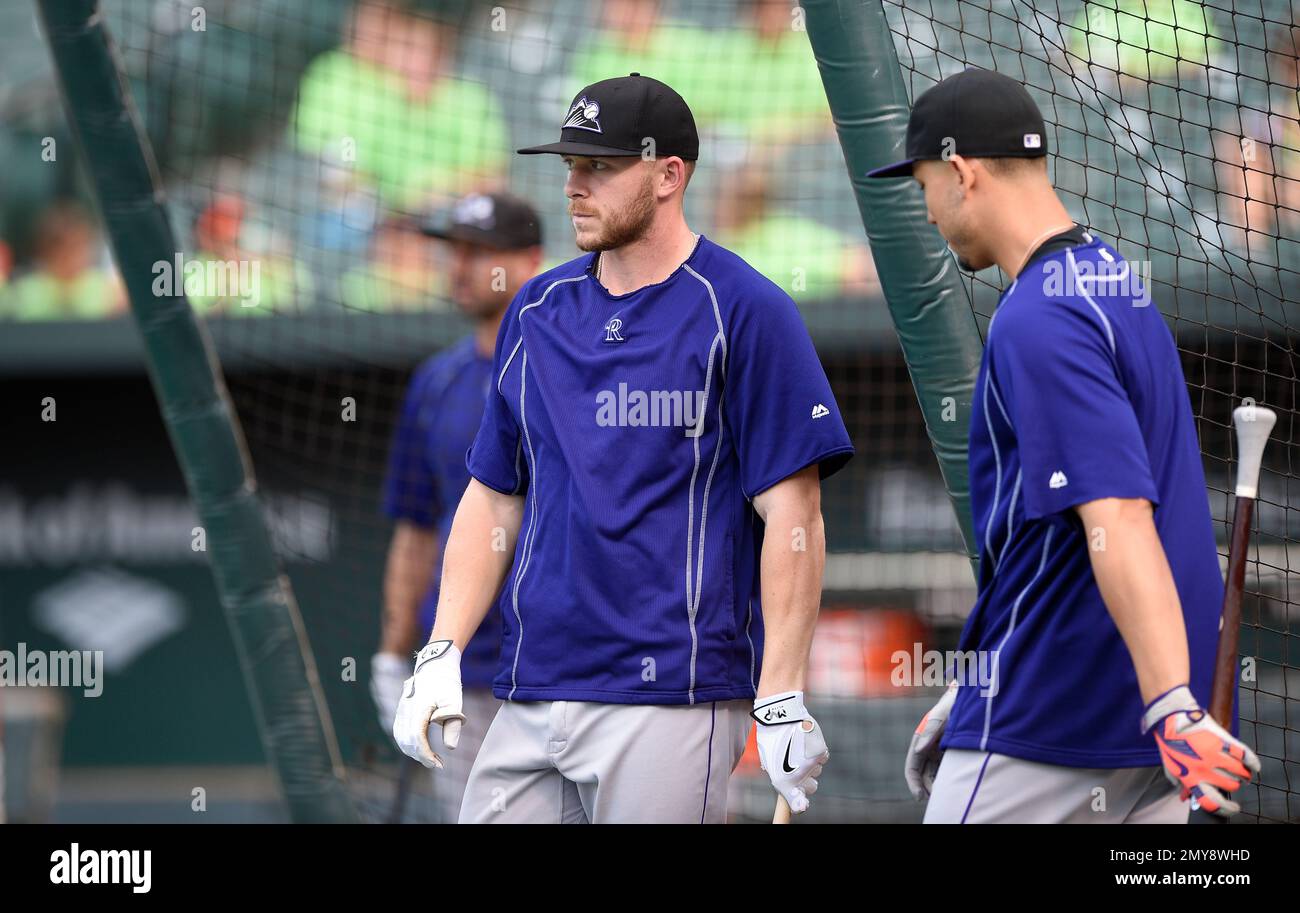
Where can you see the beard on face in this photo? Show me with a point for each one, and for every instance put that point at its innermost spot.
(484, 305)
(959, 244)
(473, 291)
(623, 227)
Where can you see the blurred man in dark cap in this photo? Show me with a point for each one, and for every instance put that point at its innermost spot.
(495, 243)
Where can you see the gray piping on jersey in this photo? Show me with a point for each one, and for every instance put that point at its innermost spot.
(693, 588)
(753, 659)
(749, 622)
(520, 340)
(1011, 627)
(1110, 334)
(529, 536)
(708, 482)
(519, 452)
(1004, 297)
(997, 398)
(1011, 513)
(997, 478)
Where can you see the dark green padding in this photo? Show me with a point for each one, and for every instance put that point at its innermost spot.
(929, 306)
(274, 653)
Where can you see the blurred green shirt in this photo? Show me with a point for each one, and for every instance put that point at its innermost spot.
(731, 78)
(355, 112)
(282, 287)
(378, 288)
(40, 296)
(804, 257)
(1143, 38)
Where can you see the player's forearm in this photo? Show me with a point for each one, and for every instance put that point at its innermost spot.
(1133, 575)
(408, 572)
(478, 555)
(792, 563)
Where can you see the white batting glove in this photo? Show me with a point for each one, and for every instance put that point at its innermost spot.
(387, 673)
(924, 754)
(791, 747)
(432, 695)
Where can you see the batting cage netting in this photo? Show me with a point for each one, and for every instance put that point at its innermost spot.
(315, 137)
(1174, 131)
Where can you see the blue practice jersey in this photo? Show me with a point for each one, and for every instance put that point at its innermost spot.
(638, 428)
(1080, 396)
(427, 475)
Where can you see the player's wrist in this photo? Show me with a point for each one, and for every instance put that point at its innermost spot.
(777, 709)
(441, 651)
(1178, 699)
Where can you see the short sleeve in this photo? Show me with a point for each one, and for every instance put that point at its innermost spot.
(778, 402)
(495, 458)
(1056, 374)
(411, 488)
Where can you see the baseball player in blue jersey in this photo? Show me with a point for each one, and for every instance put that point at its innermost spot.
(1099, 584)
(495, 246)
(646, 499)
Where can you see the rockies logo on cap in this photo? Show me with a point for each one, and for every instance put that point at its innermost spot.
(583, 114)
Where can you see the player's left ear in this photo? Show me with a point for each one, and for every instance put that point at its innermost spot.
(964, 170)
(675, 173)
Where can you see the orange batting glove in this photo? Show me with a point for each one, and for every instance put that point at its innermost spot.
(1201, 758)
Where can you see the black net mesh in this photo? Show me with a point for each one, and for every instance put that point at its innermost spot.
(1175, 132)
(310, 136)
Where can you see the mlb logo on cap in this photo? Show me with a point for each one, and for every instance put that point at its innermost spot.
(975, 113)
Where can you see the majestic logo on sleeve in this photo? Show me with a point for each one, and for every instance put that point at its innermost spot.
(820, 411)
(611, 330)
(1058, 480)
(583, 116)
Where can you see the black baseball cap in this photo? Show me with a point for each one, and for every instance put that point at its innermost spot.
(501, 221)
(974, 114)
(616, 116)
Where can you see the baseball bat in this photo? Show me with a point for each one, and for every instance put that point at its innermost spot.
(398, 809)
(1253, 425)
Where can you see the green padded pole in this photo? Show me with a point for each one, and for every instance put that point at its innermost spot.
(929, 306)
(272, 645)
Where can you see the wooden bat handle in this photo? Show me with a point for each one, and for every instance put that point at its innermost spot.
(782, 814)
(1225, 660)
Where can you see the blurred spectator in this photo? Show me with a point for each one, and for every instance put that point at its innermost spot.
(634, 36)
(809, 260)
(238, 278)
(66, 283)
(768, 85)
(758, 79)
(1258, 173)
(389, 105)
(1147, 40)
(402, 274)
